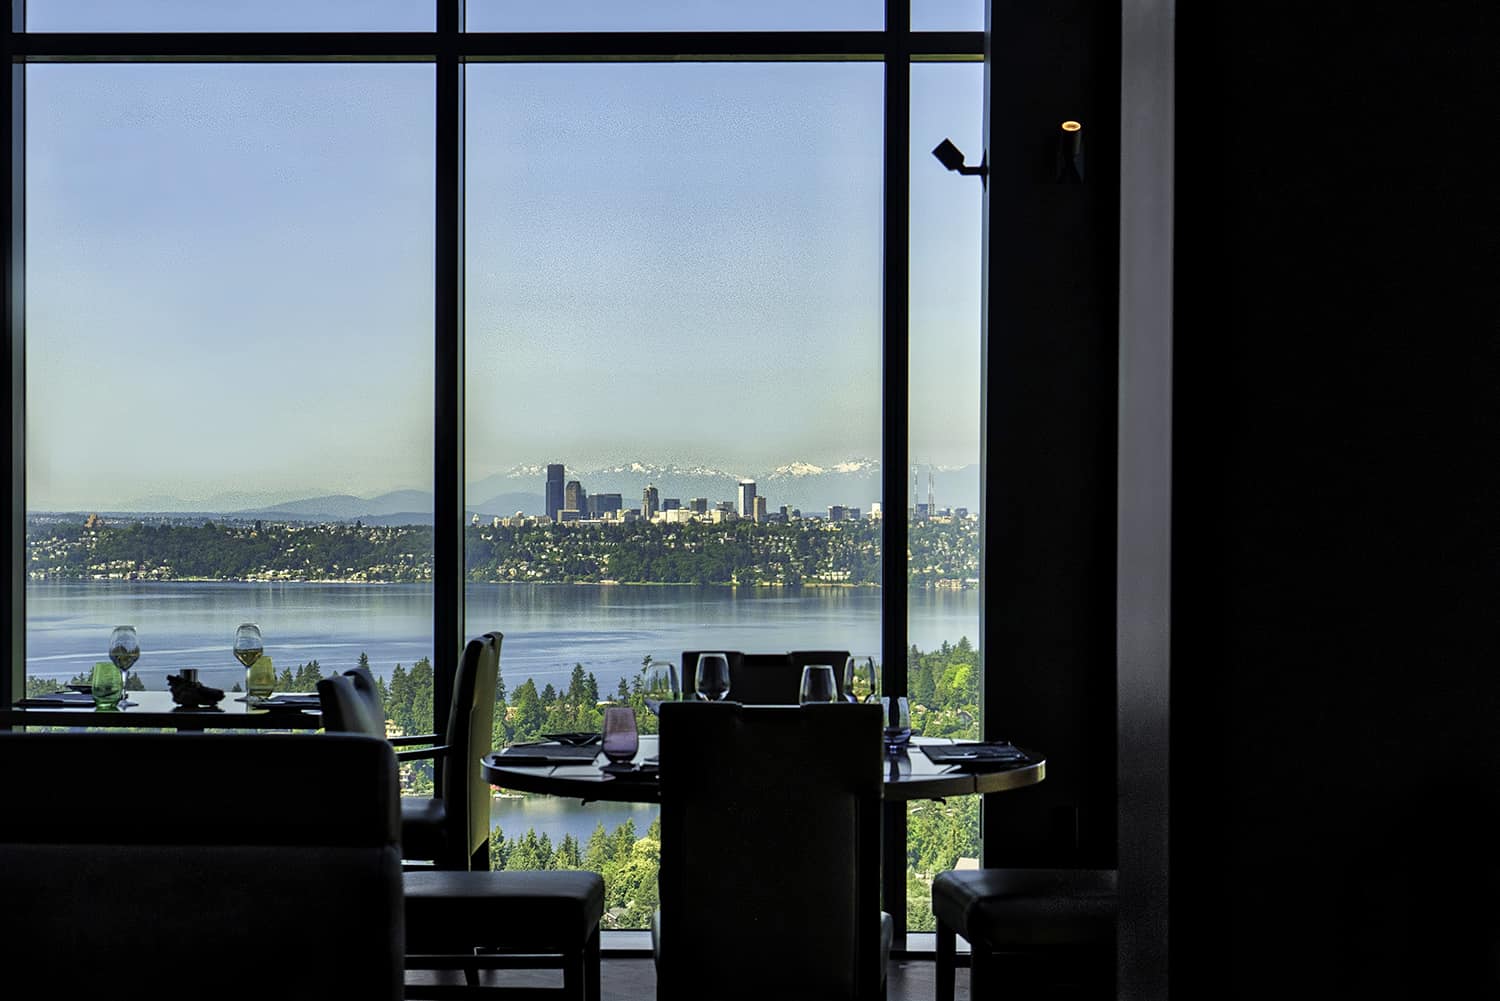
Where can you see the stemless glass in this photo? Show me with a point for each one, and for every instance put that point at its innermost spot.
(712, 682)
(861, 679)
(124, 651)
(620, 739)
(818, 684)
(106, 684)
(660, 684)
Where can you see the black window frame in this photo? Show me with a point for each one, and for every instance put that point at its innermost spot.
(450, 48)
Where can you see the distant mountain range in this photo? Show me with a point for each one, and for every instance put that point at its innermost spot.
(806, 486)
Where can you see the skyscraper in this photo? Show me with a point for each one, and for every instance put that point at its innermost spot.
(759, 506)
(575, 498)
(747, 498)
(650, 502)
(554, 490)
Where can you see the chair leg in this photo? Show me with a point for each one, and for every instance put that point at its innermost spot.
(983, 972)
(591, 967)
(947, 949)
(574, 982)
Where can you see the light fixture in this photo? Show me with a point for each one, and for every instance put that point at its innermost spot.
(1069, 169)
(952, 157)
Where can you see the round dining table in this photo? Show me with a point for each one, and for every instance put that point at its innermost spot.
(909, 775)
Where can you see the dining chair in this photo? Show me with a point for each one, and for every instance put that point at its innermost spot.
(1047, 930)
(168, 865)
(754, 678)
(770, 853)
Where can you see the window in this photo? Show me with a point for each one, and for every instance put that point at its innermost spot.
(943, 667)
(244, 319)
(229, 365)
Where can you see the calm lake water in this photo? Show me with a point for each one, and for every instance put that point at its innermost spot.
(548, 627)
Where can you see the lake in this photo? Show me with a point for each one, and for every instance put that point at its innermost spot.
(548, 627)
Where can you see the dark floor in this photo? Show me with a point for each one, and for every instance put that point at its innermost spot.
(635, 980)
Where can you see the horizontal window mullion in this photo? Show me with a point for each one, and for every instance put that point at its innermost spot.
(500, 46)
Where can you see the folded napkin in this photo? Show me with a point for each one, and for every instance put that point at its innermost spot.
(292, 700)
(547, 754)
(989, 754)
(57, 699)
(577, 737)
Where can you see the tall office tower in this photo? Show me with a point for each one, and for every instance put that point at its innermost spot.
(760, 509)
(575, 498)
(670, 504)
(875, 509)
(914, 475)
(747, 498)
(554, 490)
(836, 512)
(930, 505)
(699, 505)
(602, 504)
(650, 502)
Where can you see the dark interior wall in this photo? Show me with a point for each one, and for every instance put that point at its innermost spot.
(1048, 617)
(1335, 818)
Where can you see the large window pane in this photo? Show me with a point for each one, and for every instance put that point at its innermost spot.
(673, 289)
(229, 366)
(943, 667)
(229, 15)
(674, 15)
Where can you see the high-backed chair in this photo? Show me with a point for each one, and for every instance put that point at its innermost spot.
(770, 853)
(1028, 929)
(452, 829)
(754, 678)
(169, 865)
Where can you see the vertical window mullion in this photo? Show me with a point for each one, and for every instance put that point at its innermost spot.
(894, 444)
(13, 368)
(448, 382)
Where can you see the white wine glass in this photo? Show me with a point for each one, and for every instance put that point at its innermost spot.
(660, 684)
(124, 651)
(712, 682)
(861, 679)
(249, 647)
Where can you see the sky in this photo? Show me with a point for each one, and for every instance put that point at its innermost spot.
(229, 277)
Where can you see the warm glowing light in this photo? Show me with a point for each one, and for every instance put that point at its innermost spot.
(1071, 126)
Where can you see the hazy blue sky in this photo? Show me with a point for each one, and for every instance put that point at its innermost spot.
(230, 280)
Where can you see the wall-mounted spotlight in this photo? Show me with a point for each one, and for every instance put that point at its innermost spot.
(952, 157)
(1069, 169)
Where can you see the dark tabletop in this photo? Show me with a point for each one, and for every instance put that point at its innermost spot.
(156, 709)
(908, 776)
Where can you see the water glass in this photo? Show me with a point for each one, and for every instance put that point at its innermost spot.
(712, 682)
(107, 683)
(861, 679)
(260, 681)
(620, 738)
(818, 684)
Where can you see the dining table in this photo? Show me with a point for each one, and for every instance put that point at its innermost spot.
(908, 772)
(156, 710)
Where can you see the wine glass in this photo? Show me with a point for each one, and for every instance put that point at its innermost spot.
(620, 738)
(124, 651)
(712, 682)
(660, 684)
(249, 648)
(897, 713)
(861, 679)
(818, 685)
